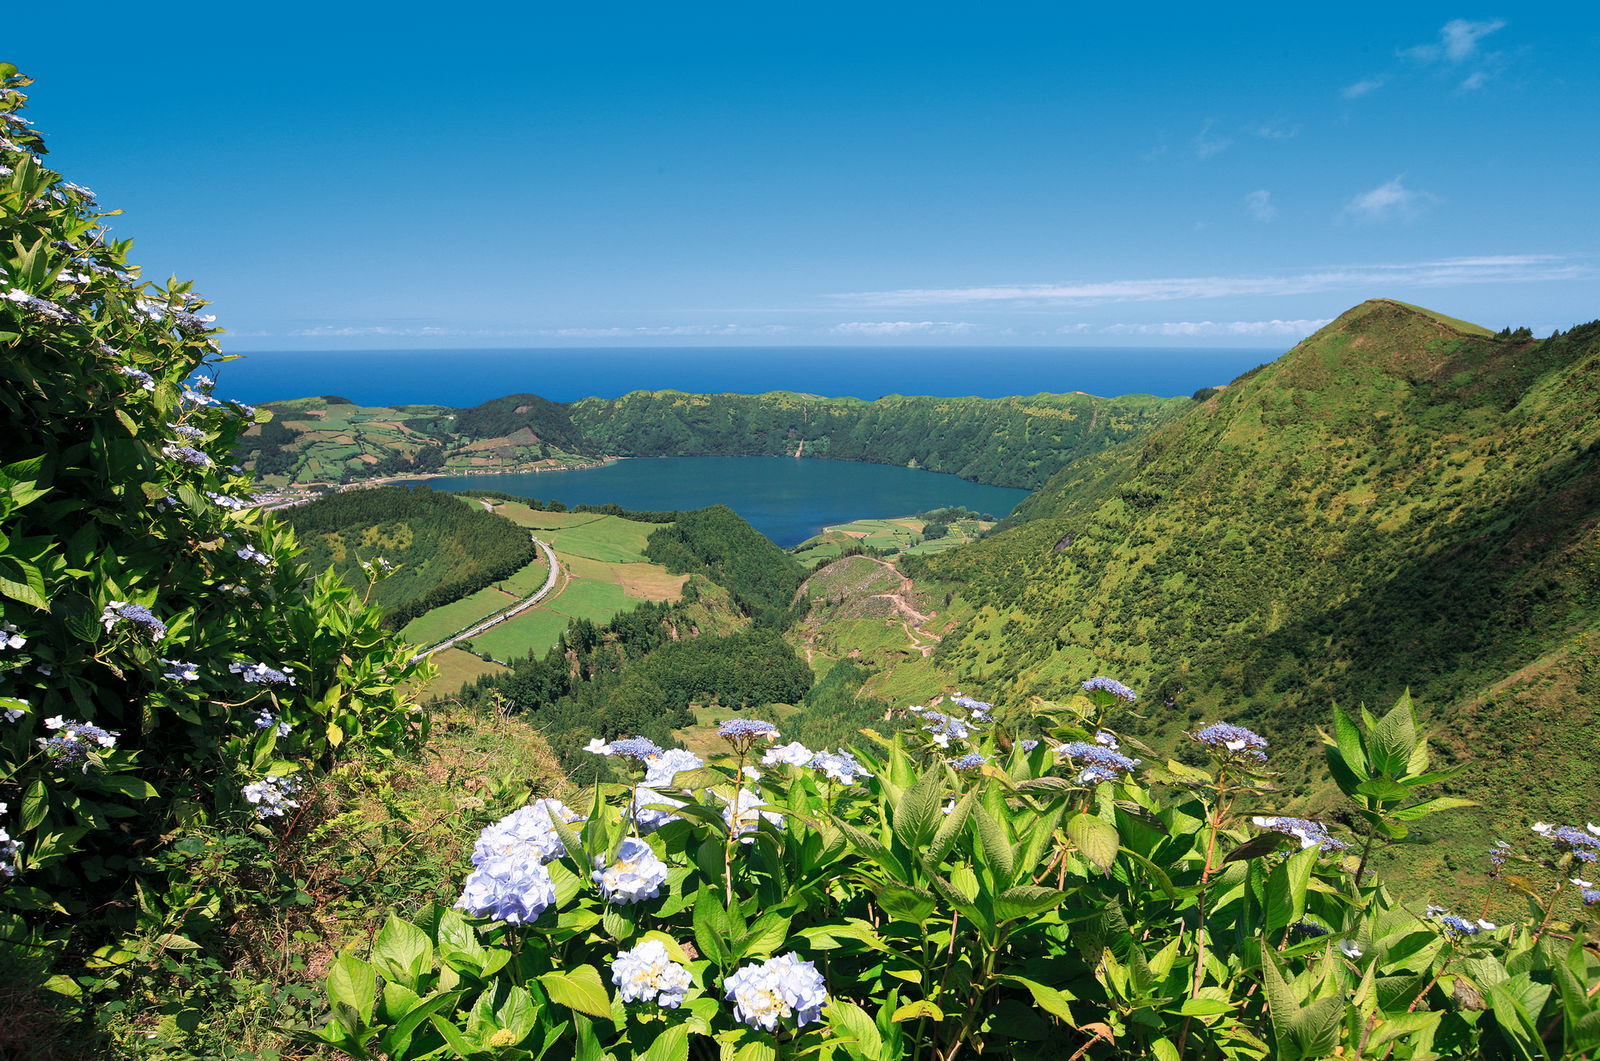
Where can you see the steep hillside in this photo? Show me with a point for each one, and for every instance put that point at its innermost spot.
(1401, 500)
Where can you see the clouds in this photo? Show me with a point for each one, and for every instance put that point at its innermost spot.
(1297, 329)
(666, 331)
(1363, 88)
(1258, 204)
(1457, 43)
(1458, 47)
(883, 328)
(1389, 201)
(1445, 272)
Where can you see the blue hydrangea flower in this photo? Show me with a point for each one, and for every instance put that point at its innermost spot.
(1309, 833)
(978, 709)
(1112, 686)
(743, 732)
(663, 768)
(1107, 740)
(970, 761)
(254, 555)
(1590, 896)
(636, 875)
(744, 819)
(267, 720)
(779, 989)
(647, 973)
(186, 431)
(10, 637)
(260, 673)
(1569, 839)
(8, 851)
(512, 888)
(527, 832)
(839, 766)
(187, 454)
(793, 754)
(232, 504)
(648, 814)
(121, 611)
(1098, 763)
(945, 729)
(179, 671)
(271, 795)
(1028, 744)
(144, 379)
(73, 741)
(1457, 927)
(637, 748)
(1499, 853)
(1235, 740)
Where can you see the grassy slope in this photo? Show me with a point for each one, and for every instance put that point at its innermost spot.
(1397, 501)
(894, 535)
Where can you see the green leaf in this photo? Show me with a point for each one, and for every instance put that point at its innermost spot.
(673, 1044)
(353, 983)
(1282, 1005)
(1052, 1000)
(35, 805)
(1026, 900)
(173, 941)
(907, 903)
(579, 988)
(453, 1038)
(914, 814)
(995, 845)
(854, 1028)
(711, 928)
(1095, 839)
(1431, 806)
(1286, 889)
(917, 1010)
(1347, 738)
(402, 952)
(1391, 742)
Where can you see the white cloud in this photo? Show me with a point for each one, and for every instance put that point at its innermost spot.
(1362, 88)
(1276, 130)
(666, 330)
(1445, 272)
(1389, 201)
(902, 328)
(1458, 41)
(1259, 205)
(1207, 143)
(1203, 329)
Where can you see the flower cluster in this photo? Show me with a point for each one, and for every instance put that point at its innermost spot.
(1112, 686)
(659, 771)
(945, 728)
(743, 732)
(187, 454)
(1235, 740)
(271, 795)
(267, 720)
(1458, 927)
(260, 673)
(778, 989)
(1581, 844)
(1099, 762)
(73, 741)
(839, 766)
(179, 671)
(641, 749)
(232, 504)
(648, 974)
(743, 818)
(121, 611)
(636, 875)
(144, 379)
(254, 555)
(977, 708)
(10, 638)
(8, 851)
(508, 888)
(970, 761)
(526, 831)
(1309, 833)
(792, 754)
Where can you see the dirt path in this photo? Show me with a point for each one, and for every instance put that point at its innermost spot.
(922, 640)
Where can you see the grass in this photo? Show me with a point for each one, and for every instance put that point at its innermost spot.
(586, 599)
(701, 737)
(457, 669)
(886, 536)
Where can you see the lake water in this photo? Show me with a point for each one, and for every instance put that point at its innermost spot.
(463, 378)
(786, 499)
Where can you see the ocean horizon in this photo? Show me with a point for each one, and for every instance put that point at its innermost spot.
(463, 378)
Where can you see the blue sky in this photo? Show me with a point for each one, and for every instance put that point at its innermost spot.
(348, 175)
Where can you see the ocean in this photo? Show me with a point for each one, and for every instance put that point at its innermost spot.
(463, 378)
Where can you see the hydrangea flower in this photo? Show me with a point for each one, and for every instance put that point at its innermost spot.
(1235, 740)
(260, 673)
(1107, 740)
(636, 875)
(647, 814)
(647, 973)
(1582, 844)
(185, 431)
(525, 832)
(186, 454)
(1499, 853)
(793, 754)
(1590, 896)
(839, 766)
(1350, 949)
(510, 887)
(1457, 927)
(271, 795)
(671, 762)
(1309, 833)
(121, 611)
(8, 851)
(233, 504)
(251, 553)
(945, 728)
(748, 814)
(1028, 744)
(14, 713)
(778, 989)
(637, 748)
(73, 741)
(970, 761)
(179, 671)
(978, 708)
(743, 732)
(1112, 686)
(1099, 763)
(267, 720)
(10, 638)
(596, 746)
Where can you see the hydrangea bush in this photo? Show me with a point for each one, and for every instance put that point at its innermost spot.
(166, 664)
(1042, 896)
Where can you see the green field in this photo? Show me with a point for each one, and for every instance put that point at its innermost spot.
(610, 539)
(886, 537)
(534, 630)
(441, 622)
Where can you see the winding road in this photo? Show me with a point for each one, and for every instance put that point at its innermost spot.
(501, 616)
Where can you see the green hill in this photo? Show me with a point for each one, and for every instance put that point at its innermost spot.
(1401, 500)
(1004, 441)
